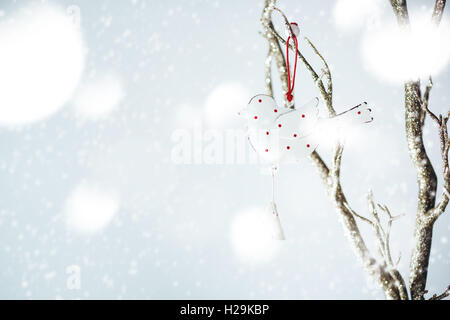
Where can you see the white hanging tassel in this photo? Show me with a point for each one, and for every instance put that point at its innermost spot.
(274, 222)
(272, 214)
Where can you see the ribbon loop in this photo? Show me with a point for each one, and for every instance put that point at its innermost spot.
(289, 94)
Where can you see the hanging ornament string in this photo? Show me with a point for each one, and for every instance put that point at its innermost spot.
(293, 32)
(289, 95)
(274, 169)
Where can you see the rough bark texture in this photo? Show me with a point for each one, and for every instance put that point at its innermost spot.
(415, 114)
(427, 184)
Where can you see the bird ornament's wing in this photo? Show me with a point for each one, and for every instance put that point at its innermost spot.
(298, 122)
(358, 114)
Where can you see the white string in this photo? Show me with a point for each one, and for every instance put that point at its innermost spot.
(274, 169)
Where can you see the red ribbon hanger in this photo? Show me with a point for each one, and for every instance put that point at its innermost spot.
(289, 94)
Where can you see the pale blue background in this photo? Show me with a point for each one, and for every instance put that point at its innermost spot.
(186, 210)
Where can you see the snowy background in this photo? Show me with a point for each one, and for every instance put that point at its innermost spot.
(91, 93)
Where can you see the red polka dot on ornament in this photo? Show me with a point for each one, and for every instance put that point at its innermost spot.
(288, 147)
(307, 145)
(359, 112)
(295, 135)
(275, 110)
(279, 126)
(259, 100)
(303, 115)
(267, 132)
(256, 117)
(267, 150)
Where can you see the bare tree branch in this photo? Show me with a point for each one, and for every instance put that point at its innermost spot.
(445, 145)
(426, 98)
(443, 295)
(441, 123)
(378, 271)
(401, 12)
(438, 11)
(327, 73)
(416, 109)
(321, 167)
(383, 238)
(367, 220)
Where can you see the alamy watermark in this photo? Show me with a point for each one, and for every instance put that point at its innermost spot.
(213, 146)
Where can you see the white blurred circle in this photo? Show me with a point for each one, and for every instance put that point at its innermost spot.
(99, 96)
(251, 236)
(399, 55)
(187, 116)
(224, 102)
(89, 209)
(41, 62)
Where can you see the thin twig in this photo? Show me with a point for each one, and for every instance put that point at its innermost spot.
(443, 295)
(367, 220)
(441, 123)
(326, 71)
(426, 98)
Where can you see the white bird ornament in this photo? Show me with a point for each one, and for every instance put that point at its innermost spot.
(290, 135)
